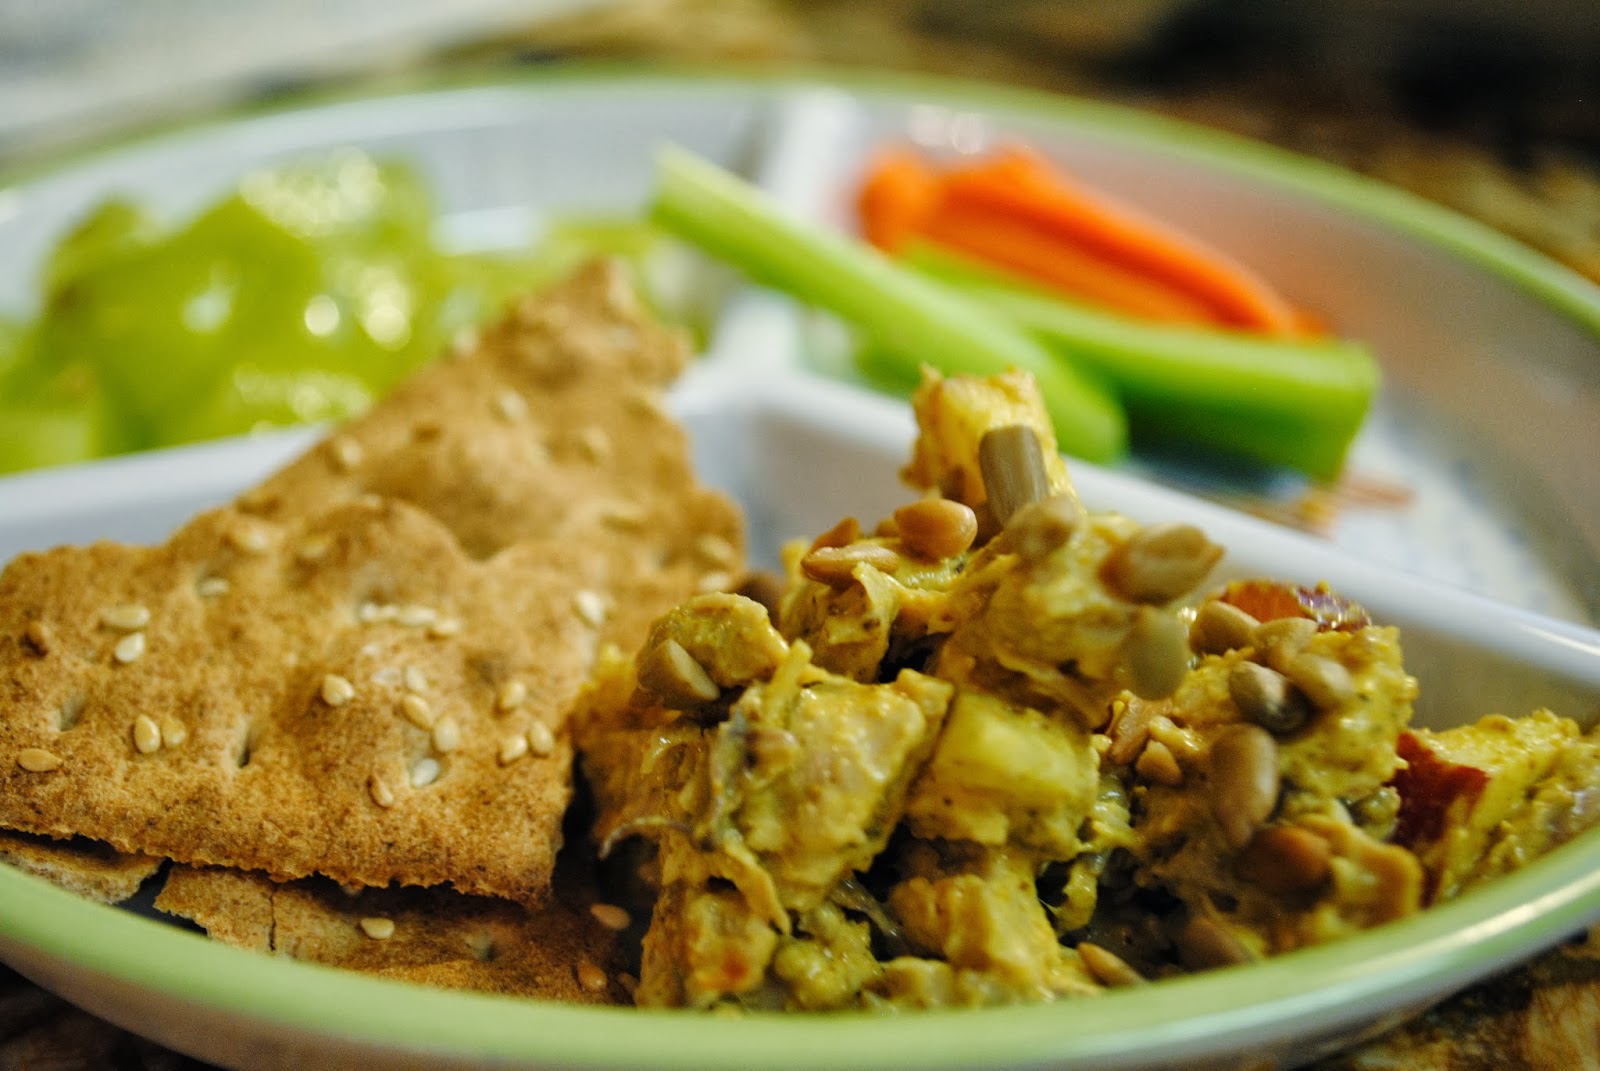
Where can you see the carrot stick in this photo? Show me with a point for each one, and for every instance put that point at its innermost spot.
(1005, 241)
(1028, 188)
(897, 196)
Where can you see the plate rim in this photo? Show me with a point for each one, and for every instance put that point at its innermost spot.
(1206, 1014)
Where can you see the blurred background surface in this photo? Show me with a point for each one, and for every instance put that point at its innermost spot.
(1489, 106)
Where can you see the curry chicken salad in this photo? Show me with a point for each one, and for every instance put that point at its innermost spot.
(1001, 748)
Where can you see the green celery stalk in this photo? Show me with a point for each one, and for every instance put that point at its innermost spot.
(1295, 403)
(1312, 451)
(907, 317)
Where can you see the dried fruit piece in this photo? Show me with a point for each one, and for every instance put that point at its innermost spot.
(1269, 600)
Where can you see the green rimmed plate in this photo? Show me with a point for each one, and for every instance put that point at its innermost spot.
(1424, 285)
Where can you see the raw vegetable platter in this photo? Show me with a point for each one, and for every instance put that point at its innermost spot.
(1486, 416)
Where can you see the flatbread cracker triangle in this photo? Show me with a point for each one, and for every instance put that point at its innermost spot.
(362, 668)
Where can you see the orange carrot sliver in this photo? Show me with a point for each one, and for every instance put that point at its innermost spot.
(1026, 187)
(1009, 243)
(898, 194)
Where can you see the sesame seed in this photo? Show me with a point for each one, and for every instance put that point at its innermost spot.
(465, 341)
(512, 748)
(336, 690)
(642, 402)
(425, 772)
(209, 587)
(347, 453)
(620, 301)
(38, 760)
(611, 916)
(416, 680)
(370, 500)
(512, 695)
(622, 514)
(417, 710)
(376, 612)
(387, 676)
(716, 550)
(446, 735)
(714, 581)
(129, 617)
(173, 731)
(258, 500)
(313, 549)
(511, 405)
(381, 793)
(129, 648)
(377, 927)
(594, 444)
(591, 977)
(39, 636)
(445, 626)
(250, 538)
(481, 945)
(541, 741)
(413, 616)
(146, 735)
(590, 607)
(542, 317)
(629, 983)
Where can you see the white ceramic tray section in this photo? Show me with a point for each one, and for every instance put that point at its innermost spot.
(1502, 505)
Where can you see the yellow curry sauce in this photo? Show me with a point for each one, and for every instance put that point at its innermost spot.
(1001, 748)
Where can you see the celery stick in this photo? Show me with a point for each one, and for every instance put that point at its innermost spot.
(1294, 403)
(912, 319)
(1310, 450)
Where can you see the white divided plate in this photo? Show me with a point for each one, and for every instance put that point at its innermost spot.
(1490, 573)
